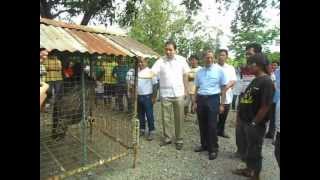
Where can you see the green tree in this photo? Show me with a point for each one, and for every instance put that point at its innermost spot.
(242, 38)
(102, 10)
(157, 21)
(274, 56)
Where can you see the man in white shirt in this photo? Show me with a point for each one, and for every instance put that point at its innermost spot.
(147, 94)
(191, 86)
(173, 72)
(231, 79)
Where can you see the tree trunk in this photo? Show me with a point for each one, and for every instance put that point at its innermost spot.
(45, 10)
(86, 18)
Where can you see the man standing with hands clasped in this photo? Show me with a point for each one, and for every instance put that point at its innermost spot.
(173, 72)
(210, 83)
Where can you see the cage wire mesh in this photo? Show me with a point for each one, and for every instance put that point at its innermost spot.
(88, 116)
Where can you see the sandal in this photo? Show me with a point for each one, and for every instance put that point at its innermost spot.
(243, 172)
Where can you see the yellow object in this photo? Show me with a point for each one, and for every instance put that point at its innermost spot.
(108, 67)
(54, 69)
(191, 77)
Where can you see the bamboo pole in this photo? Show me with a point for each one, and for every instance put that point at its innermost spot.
(83, 123)
(135, 121)
(93, 165)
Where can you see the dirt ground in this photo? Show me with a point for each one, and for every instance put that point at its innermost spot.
(155, 162)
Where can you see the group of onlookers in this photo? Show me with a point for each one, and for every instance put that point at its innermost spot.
(211, 90)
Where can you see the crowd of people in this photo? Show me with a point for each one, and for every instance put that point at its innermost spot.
(209, 90)
(184, 86)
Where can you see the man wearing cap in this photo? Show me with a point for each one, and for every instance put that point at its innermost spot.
(254, 105)
(210, 82)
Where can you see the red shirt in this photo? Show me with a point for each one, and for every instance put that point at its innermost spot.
(68, 72)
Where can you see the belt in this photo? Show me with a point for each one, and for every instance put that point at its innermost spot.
(207, 96)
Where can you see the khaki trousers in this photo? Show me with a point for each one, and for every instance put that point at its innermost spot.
(168, 120)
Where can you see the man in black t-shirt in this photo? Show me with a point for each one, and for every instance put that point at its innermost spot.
(252, 116)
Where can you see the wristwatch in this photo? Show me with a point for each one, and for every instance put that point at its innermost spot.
(253, 124)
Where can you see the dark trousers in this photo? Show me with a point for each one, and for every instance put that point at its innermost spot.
(241, 139)
(121, 91)
(254, 136)
(234, 99)
(277, 148)
(207, 112)
(272, 123)
(222, 119)
(145, 109)
(109, 91)
(58, 92)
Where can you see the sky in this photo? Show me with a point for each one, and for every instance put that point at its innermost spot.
(211, 17)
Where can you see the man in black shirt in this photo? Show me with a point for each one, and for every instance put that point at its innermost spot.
(251, 50)
(254, 105)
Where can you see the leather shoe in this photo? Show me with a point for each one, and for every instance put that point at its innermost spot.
(179, 146)
(213, 155)
(224, 135)
(269, 136)
(199, 149)
(164, 143)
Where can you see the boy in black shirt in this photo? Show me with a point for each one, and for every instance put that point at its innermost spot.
(254, 105)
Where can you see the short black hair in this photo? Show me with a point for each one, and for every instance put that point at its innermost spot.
(260, 60)
(256, 47)
(223, 50)
(193, 57)
(172, 43)
(208, 51)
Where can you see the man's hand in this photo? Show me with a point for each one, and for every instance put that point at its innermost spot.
(221, 108)
(194, 107)
(154, 100)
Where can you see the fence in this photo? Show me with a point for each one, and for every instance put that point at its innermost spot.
(88, 118)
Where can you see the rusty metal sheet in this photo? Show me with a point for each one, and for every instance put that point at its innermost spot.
(70, 37)
(134, 46)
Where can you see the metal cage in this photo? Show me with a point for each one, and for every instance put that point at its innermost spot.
(88, 118)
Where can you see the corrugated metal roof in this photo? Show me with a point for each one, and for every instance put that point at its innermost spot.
(78, 27)
(134, 46)
(70, 37)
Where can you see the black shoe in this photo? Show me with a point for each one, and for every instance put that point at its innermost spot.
(200, 149)
(151, 136)
(179, 146)
(224, 135)
(142, 132)
(164, 143)
(213, 155)
(269, 136)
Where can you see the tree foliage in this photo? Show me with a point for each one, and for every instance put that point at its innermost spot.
(102, 10)
(242, 38)
(249, 26)
(159, 21)
(154, 24)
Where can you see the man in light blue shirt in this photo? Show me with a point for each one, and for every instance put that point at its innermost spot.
(210, 82)
(277, 85)
(272, 129)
